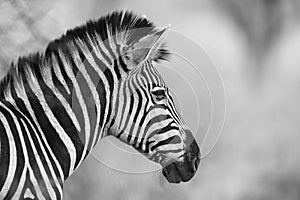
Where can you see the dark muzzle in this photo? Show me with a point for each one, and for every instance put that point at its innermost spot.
(178, 171)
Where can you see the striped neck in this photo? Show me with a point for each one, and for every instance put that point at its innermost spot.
(61, 96)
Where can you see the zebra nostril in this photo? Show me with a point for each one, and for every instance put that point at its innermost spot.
(195, 163)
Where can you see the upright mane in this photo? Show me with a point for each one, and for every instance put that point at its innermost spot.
(133, 26)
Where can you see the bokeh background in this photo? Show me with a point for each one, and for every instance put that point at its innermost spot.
(255, 45)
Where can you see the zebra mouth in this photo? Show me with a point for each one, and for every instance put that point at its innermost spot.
(176, 173)
(171, 173)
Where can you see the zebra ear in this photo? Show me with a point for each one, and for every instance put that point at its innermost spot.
(146, 48)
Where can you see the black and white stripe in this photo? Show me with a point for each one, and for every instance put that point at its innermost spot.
(55, 106)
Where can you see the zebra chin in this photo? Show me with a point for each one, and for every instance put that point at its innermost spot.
(183, 171)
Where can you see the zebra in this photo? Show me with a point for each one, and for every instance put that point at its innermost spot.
(98, 79)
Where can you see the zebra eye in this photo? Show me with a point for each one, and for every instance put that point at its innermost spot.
(127, 57)
(158, 94)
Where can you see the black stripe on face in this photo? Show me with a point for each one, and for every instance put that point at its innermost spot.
(148, 145)
(130, 96)
(154, 75)
(137, 113)
(125, 102)
(139, 106)
(136, 101)
(156, 154)
(156, 119)
(117, 107)
(149, 123)
(173, 110)
(172, 140)
(164, 129)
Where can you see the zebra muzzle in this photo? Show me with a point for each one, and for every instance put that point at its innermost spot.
(179, 171)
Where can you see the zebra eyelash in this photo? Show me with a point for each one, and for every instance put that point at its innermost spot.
(159, 93)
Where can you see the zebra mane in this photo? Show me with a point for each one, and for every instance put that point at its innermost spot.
(112, 24)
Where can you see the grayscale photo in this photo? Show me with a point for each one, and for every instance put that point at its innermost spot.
(149, 100)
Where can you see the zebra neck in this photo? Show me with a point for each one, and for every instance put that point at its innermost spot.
(66, 102)
(88, 81)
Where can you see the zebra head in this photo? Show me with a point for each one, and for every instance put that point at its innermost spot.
(145, 114)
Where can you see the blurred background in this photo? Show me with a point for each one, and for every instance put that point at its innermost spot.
(255, 45)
